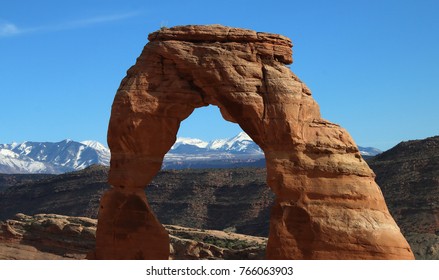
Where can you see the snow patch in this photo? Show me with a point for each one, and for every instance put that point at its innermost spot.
(8, 153)
(95, 145)
(189, 141)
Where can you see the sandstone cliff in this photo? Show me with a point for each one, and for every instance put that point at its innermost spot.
(327, 203)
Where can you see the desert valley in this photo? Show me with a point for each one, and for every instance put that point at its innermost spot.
(210, 213)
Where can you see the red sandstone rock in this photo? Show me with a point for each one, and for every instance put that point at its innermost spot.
(46, 237)
(328, 205)
(128, 229)
(52, 237)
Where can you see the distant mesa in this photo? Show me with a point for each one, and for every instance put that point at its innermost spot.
(409, 177)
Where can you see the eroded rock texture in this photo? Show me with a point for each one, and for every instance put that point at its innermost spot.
(53, 237)
(327, 205)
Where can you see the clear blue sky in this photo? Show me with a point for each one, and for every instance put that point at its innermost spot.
(372, 65)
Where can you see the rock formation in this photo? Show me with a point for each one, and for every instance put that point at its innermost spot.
(409, 178)
(327, 204)
(52, 237)
(46, 236)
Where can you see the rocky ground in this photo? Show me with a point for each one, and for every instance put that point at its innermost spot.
(232, 200)
(10, 180)
(50, 236)
(235, 199)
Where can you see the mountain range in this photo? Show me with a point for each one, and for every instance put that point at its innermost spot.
(51, 157)
(69, 155)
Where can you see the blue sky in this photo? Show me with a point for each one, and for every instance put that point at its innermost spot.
(372, 65)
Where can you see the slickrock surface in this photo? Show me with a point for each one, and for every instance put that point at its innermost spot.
(53, 237)
(327, 204)
(46, 236)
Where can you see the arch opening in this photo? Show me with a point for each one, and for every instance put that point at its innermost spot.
(216, 185)
(206, 140)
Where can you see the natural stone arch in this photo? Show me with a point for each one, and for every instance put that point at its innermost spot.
(327, 205)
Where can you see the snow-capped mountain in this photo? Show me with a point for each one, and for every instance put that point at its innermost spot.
(239, 150)
(196, 153)
(68, 155)
(369, 151)
(50, 157)
(240, 144)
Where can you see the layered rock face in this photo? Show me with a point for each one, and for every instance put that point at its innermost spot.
(327, 204)
(52, 237)
(46, 237)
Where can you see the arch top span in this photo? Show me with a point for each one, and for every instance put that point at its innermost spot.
(266, 43)
(327, 206)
